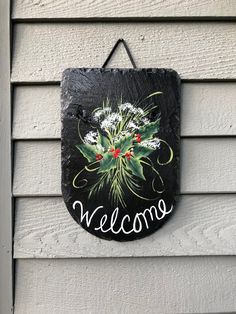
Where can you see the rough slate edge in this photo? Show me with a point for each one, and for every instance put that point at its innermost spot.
(6, 271)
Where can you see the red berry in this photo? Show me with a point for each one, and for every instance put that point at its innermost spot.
(117, 151)
(138, 137)
(128, 155)
(112, 150)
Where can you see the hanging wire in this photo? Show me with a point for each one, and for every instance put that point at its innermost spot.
(119, 41)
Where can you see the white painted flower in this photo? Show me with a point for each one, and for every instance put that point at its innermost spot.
(111, 121)
(91, 137)
(101, 112)
(145, 120)
(139, 111)
(132, 125)
(153, 143)
(128, 107)
(131, 108)
(122, 134)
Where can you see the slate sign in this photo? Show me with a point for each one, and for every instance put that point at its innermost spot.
(120, 149)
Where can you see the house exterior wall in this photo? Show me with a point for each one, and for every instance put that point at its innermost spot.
(189, 265)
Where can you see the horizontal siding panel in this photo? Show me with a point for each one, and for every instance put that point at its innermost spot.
(133, 286)
(207, 166)
(202, 225)
(37, 112)
(122, 9)
(207, 109)
(195, 50)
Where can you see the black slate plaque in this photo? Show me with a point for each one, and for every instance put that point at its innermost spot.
(120, 149)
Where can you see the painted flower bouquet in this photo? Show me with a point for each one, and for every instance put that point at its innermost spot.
(118, 147)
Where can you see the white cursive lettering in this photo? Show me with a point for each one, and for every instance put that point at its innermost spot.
(139, 222)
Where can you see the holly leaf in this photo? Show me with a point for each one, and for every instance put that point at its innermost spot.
(104, 141)
(141, 151)
(135, 167)
(125, 143)
(88, 151)
(107, 163)
(148, 130)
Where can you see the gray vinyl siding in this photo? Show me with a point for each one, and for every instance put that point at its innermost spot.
(6, 271)
(189, 265)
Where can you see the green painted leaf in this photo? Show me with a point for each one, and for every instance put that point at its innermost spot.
(104, 141)
(125, 143)
(107, 163)
(88, 151)
(149, 130)
(136, 168)
(153, 94)
(141, 151)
